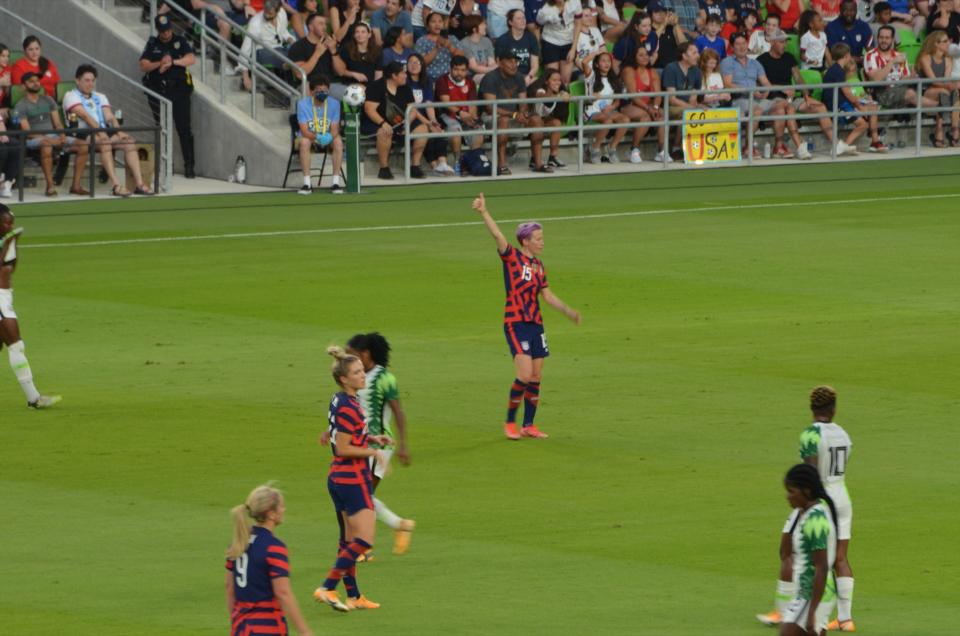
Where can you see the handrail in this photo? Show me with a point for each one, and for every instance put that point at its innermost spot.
(166, 117)
(23, 135)
(917, 82)
(256, 69)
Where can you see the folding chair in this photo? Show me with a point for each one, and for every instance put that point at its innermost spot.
(295, 152)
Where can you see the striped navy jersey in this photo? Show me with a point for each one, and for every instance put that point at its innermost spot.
(524, 278)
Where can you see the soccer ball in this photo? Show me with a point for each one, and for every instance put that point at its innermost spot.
(355, 95)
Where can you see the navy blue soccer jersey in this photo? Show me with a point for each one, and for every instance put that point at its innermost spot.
(253, 571)
(523, 278)
(346, 416)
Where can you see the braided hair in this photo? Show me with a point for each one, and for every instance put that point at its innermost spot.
(823, 399)
(374, 344)
(806, 477)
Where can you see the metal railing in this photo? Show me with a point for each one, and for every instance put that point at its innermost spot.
(257, 70)
(582, 127)
(125, 94)
(21, 137)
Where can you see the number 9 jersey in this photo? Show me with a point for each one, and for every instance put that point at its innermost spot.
(255, 609)
(830, 444)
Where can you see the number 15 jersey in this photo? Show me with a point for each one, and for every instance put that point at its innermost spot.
(831, 445)
(523, 278)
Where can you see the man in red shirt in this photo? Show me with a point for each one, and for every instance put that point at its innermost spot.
(456, 86)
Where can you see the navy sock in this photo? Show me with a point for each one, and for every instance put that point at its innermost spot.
(531, 400)
(516, 395)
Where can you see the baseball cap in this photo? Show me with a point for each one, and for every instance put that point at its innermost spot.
(163, 23)
(508, 54)
(653, 7)
(29, 75)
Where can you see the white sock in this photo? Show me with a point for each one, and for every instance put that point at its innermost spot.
(21, 369)
(844, 597)
(306, 180)
(386, 515)
(336, 179)
(786, 590)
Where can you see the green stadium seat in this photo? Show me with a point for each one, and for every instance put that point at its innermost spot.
(63, 88)
(907, 38)
(15, 56)
(812, 76)
(609, 47)
(793, 46)
(16, 94)
(628, 13)
(576, 88)
(912, 52)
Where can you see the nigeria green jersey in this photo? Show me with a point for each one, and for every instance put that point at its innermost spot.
(381, 388)
(814, 531)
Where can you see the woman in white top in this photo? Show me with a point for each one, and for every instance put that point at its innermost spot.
(558, 17)
(587, 38)
(759, 40)
(603, 84)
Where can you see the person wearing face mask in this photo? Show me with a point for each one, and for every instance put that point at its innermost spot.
(164, 62)
(318, 115)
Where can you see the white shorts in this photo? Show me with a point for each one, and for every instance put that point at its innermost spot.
(380, 470)
(798, 608)
(6, 304)
(841, 500)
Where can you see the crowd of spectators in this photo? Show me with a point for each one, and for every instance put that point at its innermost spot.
(30, 88)
(410, 51)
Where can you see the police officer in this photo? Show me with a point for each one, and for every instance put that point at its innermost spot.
(164, 62)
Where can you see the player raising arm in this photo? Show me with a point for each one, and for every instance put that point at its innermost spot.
(258, 569)
(9, 327)
(525, 280)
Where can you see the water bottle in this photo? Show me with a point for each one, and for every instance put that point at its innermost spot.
(240, 170)
(456, 168)
(119, 116)
(767, 150)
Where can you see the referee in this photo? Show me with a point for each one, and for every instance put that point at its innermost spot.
(164, 63)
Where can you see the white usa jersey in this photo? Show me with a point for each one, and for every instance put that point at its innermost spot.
(831, 445)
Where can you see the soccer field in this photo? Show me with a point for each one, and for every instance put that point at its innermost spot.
(194, 370)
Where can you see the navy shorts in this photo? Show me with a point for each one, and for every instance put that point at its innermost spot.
(350, 498)
(526, 338)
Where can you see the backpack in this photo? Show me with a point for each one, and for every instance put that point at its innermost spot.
(475, 163)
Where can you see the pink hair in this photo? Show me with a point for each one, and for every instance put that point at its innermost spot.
(526, 230)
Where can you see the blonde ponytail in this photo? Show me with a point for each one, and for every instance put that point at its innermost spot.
(342, 362)
(260, 501)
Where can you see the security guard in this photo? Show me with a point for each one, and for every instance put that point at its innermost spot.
(164, 62)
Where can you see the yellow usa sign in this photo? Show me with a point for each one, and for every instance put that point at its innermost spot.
(707, 140)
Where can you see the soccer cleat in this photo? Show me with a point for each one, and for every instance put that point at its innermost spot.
(44, 401)
(838, 626)
(770, 618)
(533, 431)
(330, 597)
(402, 536)
(366, 557)
(305, 189)
(362, 602)
(510, 430)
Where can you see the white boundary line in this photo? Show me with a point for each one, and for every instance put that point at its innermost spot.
(426, 226)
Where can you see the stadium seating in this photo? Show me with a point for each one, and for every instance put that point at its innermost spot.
(578, 87)
(907, 38)
(812, 76)
(793, 46)
(628, 13)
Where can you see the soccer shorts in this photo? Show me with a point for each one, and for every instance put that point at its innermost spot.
(841, 500)
(526, 338)
(6, 304)
(258, 622)
(799, 607)
(379, 469)
(350, 498)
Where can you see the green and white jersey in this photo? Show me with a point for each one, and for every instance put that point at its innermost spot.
(831, 445)
(814, 531)
(381, 388)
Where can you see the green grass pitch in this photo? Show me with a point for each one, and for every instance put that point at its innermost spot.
(193, 370)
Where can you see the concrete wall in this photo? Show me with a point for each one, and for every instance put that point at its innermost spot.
(222, 131)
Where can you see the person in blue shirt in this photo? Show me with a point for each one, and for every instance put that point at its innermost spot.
(711, 38)
(391, 15)
(850, 30)
(849, 103)
(318, 115)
